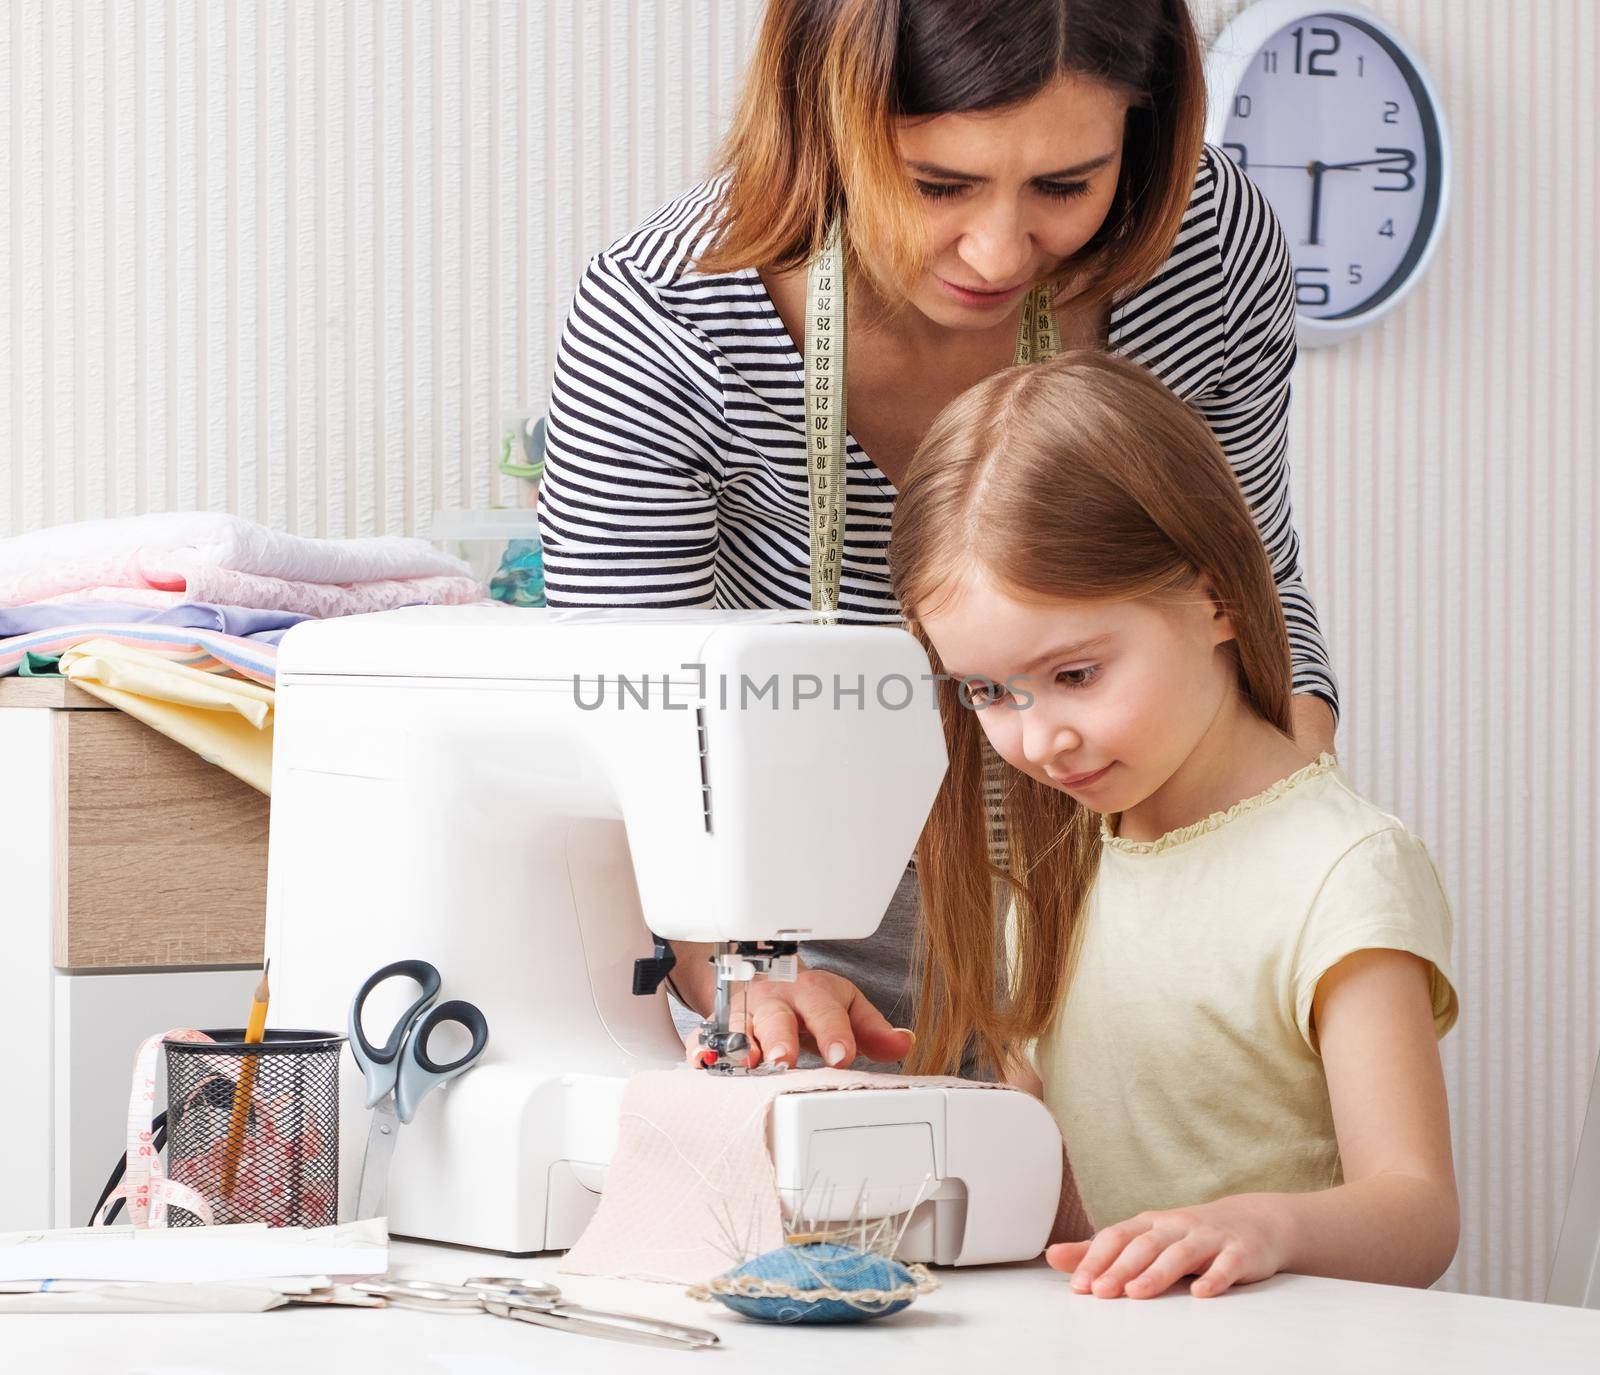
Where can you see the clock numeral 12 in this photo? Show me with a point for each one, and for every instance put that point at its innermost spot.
(1311, 67)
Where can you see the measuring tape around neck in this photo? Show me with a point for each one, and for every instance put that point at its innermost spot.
(827, 427)
(1038, 338)
(825, 418)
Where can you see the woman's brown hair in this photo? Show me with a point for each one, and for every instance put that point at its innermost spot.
(1080, 478)
(813, 137)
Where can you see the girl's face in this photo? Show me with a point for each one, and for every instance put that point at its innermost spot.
(1104, 700)
(1010, 194)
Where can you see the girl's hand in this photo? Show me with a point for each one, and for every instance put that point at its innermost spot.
(1232, 1241)
(817, 1011)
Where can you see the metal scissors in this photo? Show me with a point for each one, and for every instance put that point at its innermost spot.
(400, 1072)
(535, 1302)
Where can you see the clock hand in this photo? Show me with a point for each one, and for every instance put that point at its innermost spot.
(1294, 166)
(1316, 169)
(1367, 162)
(1326, 166)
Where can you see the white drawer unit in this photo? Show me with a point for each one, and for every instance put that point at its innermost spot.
(133, 902)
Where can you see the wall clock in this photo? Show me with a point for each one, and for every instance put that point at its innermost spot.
(1333, 116)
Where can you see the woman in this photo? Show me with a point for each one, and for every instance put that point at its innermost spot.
(984, 162)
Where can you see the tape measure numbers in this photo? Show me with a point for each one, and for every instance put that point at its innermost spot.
(827, 427)
(825, 418)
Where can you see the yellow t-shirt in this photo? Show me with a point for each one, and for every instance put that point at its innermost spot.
(1184, 1065)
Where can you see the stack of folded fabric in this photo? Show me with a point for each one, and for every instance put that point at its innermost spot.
(176, 617)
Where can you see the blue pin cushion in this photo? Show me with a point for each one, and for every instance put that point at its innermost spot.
(818, 1282)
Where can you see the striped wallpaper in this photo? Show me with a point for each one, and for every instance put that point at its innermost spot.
(295, 260)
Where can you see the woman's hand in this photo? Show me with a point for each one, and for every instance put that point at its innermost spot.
(817, 1011)
(1232, 1241)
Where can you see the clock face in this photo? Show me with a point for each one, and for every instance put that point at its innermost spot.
(1334, 124)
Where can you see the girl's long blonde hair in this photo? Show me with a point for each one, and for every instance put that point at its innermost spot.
(1080, 478)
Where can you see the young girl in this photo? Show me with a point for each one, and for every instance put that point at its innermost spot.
(1233, 966)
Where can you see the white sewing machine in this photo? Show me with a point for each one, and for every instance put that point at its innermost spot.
(521, 798)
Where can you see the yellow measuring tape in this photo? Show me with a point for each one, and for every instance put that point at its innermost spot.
(825, 418)
(826, 424)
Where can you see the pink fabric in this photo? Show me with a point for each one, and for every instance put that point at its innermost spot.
(228, 561)
(228, 587)
(127, 596)
(153, 547)
(66, 580)
(692, 1165)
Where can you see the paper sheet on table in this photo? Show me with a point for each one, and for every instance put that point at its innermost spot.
(241, 1297)
(182, 1254)
(140, 1296)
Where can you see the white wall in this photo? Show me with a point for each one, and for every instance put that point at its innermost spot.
(294, 260)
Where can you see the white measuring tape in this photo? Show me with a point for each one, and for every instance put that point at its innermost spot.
(144, 1183)
(827, 427)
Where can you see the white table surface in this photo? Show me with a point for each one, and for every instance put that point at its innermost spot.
(1002, 1320)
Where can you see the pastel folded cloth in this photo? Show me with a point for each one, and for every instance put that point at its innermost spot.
(163, 546)
(264, 626)
(226, 720)
(325, 600)
(206, 651)
(692, 1176)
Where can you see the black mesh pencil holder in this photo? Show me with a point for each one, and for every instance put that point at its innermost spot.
(254, 1129)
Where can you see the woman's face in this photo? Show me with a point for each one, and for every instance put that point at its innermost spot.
(1102, 699)
(1010, 194)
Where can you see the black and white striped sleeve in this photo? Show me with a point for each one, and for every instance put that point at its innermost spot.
(628, 500)
(1248, 410)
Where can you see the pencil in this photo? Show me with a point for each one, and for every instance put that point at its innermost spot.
(253, 1034)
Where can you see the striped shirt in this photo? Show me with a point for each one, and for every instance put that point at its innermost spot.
(675, 471)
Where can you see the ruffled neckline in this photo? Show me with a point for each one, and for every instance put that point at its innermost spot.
(1322, 764)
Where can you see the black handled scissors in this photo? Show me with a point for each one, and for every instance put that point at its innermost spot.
(400, 1073)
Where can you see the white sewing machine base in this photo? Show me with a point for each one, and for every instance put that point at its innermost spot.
(979, 1169)
(980, 1166)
